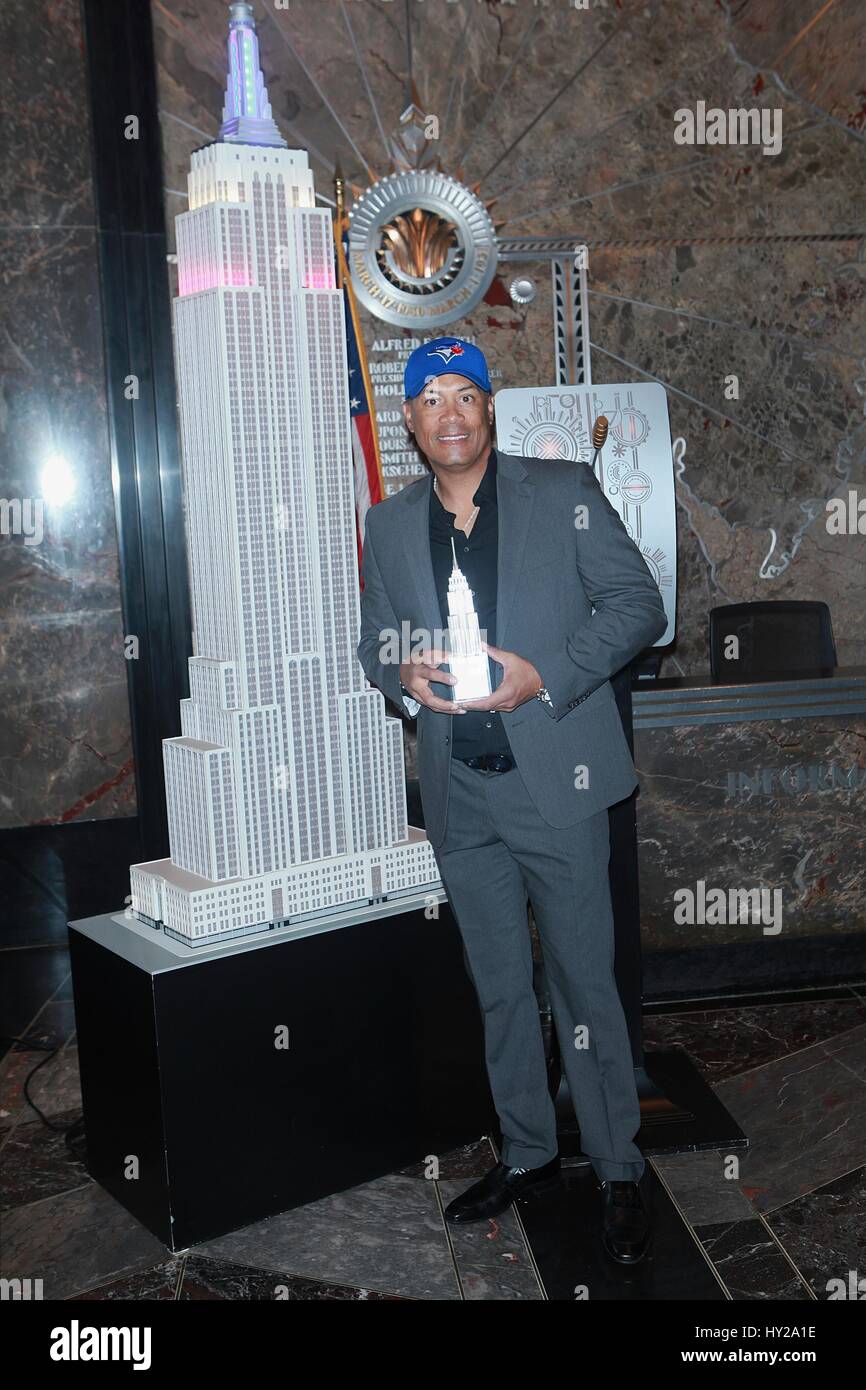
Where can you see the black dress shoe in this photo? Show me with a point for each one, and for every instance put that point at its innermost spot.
(626, 1234)
(498, 1189)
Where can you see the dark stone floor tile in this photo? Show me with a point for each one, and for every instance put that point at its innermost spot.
(698, 1184)
(750, 1263)
(158, 1284)
(55, 1087)
(207, 1279)
(805, 1117)
(194, 1279)
(76, 1241)
(16, 1067)
(54, 1025)
(849, 1050)
(824, 1232)
(386, 1235)
(492, 1257)
(36, 1162)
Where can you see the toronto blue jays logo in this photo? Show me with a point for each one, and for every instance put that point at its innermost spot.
(446, 353)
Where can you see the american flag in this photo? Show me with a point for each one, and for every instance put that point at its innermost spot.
(369, 488)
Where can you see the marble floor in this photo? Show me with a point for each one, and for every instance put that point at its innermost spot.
(789, 1221)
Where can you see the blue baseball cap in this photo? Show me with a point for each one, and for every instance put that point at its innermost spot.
(440, 356)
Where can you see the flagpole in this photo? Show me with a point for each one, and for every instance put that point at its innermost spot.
(339, 219)
(343, 278)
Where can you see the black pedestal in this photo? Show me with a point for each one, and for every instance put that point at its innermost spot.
(224, 1085)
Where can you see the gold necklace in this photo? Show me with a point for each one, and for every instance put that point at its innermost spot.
(470, 520)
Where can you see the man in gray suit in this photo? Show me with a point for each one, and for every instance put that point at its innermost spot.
(515, 787)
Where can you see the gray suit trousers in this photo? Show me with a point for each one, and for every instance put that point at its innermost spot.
(497, 851)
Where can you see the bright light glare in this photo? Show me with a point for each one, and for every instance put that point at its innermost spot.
(57, 481)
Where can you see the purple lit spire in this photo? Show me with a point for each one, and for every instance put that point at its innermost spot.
(247, 118)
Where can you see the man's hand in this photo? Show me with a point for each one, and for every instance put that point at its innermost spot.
(519, 684)
(417, 674)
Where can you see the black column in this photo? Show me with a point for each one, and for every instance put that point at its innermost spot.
(127, 179)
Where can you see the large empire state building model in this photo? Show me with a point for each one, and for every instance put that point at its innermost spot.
(286, 789)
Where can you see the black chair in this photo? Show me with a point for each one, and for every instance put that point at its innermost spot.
(778, 640)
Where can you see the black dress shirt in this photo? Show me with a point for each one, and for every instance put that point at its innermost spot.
(477, 731)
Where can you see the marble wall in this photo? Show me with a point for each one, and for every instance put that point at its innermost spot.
(65, 744)
(704, 261)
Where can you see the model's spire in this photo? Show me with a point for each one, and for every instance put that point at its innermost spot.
(459, 592)
(247, 118)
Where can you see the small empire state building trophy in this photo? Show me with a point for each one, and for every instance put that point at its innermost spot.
(468, 662)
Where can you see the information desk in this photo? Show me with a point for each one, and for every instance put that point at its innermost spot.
(751, 786)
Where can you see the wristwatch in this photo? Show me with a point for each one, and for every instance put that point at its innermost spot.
(544, 696)
(410, 702)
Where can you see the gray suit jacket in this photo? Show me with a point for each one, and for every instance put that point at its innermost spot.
(555, 565)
